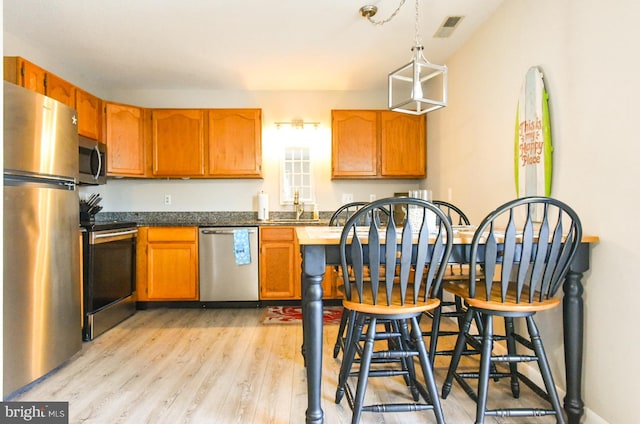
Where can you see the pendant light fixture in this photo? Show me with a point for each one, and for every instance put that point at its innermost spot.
(419, 86)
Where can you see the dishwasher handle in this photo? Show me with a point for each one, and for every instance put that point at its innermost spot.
(251, 231)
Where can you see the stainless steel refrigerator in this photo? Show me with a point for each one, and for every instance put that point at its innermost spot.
(41, 309)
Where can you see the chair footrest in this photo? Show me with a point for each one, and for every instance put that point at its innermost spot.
(397, 407)
(513, 358)
(519, 412)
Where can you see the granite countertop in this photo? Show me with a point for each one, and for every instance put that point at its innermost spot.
(210, 219)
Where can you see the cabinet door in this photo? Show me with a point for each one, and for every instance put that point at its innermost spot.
(31, 76)
(354, 145)
(279, 276)
(125, 140)
(403, 145)
(61, 90)
(172, 263)
(89, 114)
(235, 143)
(178, 142)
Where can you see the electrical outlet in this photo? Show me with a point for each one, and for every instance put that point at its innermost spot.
(449, 195)
(347, 198)
(372, 197)
(167, 199)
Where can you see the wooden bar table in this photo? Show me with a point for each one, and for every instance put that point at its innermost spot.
(319, 248)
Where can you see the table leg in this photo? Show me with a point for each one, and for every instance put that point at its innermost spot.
(573, 322)
(313, 268)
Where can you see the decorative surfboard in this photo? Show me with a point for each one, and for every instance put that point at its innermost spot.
(533, 149)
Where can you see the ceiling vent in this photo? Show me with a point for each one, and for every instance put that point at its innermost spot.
(448, 26)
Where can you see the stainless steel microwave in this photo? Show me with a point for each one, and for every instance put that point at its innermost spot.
(92, 161)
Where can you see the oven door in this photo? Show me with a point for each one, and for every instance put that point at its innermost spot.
(109, 279)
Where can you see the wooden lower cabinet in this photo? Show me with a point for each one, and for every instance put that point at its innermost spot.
(167, 265)
(280, 266)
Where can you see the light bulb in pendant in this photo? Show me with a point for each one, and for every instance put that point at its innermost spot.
(416, 91)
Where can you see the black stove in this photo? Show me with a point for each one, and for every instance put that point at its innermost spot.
(107, 225)
(109, 274)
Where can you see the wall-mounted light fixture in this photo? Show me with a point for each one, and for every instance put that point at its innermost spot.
(297, 124)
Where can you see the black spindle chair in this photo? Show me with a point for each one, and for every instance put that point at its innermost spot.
(391, 277)
(448, 308)
(338, 219)
(525, 248)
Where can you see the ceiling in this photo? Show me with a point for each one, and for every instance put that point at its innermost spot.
(236, 44)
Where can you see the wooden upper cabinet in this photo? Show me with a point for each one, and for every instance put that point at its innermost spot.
(354, 145)
(61, 90)
(403, 145)
(89, 111)
(377, 144)
(124, 128)
(177, 142)
(24, 73)
(235, 143)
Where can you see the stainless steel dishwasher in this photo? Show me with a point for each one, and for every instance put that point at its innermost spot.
(222, 278)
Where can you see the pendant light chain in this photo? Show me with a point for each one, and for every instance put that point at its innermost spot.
(418, 36)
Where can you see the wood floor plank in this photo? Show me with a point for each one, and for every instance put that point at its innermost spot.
(166, 365)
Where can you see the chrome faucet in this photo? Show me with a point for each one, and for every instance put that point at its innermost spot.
(297, 206)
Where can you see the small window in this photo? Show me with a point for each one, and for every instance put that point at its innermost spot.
(296, 175)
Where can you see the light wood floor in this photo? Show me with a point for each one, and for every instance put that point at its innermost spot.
(220, 366)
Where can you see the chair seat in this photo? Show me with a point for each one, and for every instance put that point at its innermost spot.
(460, 288)
(382, 307)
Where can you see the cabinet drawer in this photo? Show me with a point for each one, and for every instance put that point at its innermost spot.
(277, 234)
(172, 234)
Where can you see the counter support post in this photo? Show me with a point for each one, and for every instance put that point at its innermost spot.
(313, 268)
(573, 317)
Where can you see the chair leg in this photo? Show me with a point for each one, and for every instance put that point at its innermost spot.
(341, 330)
(509, 331)
(353, 336)
(407, 362)
(427, 371)
(485, 368)
(363, 377)
(435, 329)
(457, 353)
(545, 370)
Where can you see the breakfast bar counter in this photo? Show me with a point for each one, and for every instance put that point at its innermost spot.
(319, 248)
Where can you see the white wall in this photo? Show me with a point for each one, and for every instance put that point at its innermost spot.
(587, 52)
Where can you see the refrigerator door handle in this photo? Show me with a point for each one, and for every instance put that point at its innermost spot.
(22, 178)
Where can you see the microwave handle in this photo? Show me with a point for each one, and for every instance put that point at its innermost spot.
(95, 177)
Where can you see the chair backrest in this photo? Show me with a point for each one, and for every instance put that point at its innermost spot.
(454, 213)
(346, 211)
(380, 255)
(526, 244)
